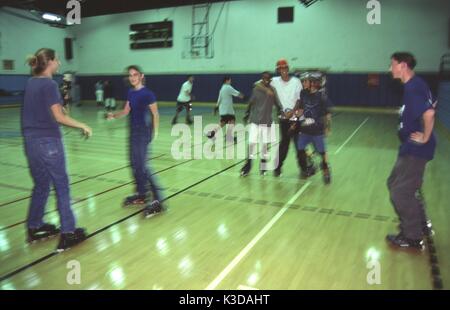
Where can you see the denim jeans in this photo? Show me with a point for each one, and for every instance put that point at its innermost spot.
(318, 142)
(47, 166)
(139, 142)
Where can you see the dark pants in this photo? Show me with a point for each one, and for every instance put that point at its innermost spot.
(286, 137)
(180, 107)
(138, 156)
(47, 165)
(404, 185)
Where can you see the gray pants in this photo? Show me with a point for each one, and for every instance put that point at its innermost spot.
(404, 185)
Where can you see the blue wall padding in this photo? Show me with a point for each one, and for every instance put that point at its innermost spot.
(343, 88)
(443, 108)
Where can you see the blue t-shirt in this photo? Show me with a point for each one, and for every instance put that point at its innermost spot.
(417, 99)
(316, 106)
(37, 118)
(140, 116)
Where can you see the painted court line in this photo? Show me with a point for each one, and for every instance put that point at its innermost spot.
(247, 288)
(255, 240)
(351, 136)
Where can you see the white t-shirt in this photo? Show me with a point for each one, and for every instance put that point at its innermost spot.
(288, 92)
(225, 100)
(185, 92)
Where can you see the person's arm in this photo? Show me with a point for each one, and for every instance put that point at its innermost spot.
(428, 123)
(155, 113)
(327, 105)
(268, 90)
(124, 112)
(188, 91)
(251, 102)
(66, 120)
(236, 93)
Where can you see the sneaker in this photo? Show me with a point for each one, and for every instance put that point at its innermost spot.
(154, 208)
(309, 172)
(326, 176)
(134, 200)
(68, 240)
(246, 169)
(262, 171)
(401, 241)
(277, 172)
(43, 232)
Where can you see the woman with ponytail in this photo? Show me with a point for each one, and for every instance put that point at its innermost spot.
(42, 113)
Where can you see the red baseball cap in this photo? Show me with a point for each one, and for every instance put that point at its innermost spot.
(282, 63)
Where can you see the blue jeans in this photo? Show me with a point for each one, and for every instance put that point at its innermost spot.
(138, 156)
(47, 165)
(317, 141)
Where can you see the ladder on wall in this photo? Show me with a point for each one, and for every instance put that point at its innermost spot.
(199, 43)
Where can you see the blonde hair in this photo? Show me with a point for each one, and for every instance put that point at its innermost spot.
(39, 61)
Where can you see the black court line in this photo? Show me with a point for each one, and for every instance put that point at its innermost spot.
(87, 178)
(97, 194)
(13, 165)
(46, 257)
(433, 261)
(79, 181)
(15, 187)
(103, 192)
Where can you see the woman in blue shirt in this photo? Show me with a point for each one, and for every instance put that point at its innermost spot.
(144, 122)
(42, 112)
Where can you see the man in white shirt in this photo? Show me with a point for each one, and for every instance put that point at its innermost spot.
(184, 100)
(225, 107)
(288, 89)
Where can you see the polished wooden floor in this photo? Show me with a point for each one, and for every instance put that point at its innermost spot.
(222, 231)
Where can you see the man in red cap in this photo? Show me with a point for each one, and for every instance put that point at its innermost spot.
(288, 89)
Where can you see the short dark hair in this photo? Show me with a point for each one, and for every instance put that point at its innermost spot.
(226, 78)
(405, 57)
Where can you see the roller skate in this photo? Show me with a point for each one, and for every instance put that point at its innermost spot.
(44, 232)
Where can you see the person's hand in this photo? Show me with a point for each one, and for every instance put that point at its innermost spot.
(109, 116)
(418, 137)
(86, 130)
(216, 109)
(292, 129)
(288, 114)
(155, 136)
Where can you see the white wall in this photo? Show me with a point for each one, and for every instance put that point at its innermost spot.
(22, 37)
(330, 33)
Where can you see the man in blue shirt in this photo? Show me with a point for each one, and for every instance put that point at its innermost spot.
(417, 147)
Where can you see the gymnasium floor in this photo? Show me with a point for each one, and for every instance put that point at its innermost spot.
(222, 231)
